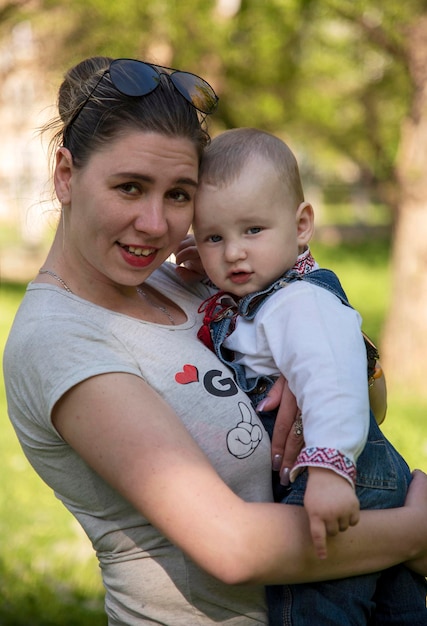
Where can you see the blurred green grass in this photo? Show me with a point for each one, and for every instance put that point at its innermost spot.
(48, 572)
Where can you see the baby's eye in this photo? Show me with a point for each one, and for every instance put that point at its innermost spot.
(214, 238)
(253, 230)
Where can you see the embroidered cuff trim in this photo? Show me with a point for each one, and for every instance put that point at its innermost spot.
(329, 458)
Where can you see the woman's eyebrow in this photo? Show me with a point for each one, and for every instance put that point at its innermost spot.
(150, 179)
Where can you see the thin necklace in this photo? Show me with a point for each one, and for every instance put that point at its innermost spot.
(150, 301)
(56, 277)
(160, 307)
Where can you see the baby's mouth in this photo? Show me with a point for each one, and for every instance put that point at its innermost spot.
(239, 273)
(240, 277)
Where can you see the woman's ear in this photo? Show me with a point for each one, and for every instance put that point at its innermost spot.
(62, 175)
(305, 224)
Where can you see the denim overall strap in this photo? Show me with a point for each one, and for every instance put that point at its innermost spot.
(249, 305)
(220, 323)
(219, 331)
(327, 279)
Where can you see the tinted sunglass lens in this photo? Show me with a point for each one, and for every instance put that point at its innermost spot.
(195, 90)
(137, 78)
(133, 78)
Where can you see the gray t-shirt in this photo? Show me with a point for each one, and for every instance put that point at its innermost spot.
(59, 340)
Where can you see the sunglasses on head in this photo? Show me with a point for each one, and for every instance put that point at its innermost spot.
(138, 78)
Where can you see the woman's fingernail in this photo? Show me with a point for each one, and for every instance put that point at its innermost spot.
(261, 405)
(284, 478)
(277, 462)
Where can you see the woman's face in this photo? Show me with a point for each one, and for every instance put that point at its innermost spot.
(129, 207)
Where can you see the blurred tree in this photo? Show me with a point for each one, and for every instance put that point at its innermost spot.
(344, 81)
(331, 74)
(405, 334)
(9, 7)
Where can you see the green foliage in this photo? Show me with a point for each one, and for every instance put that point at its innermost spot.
(331, 76)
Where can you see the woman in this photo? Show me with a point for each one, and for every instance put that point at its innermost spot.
(137, 427)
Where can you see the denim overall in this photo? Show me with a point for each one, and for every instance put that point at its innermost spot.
(395, 596)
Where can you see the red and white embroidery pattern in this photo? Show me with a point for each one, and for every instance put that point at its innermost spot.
(305, 262)
(328, 458)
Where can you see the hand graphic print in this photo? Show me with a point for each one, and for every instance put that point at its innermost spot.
(243, 439)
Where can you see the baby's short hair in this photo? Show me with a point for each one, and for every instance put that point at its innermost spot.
(227, 154)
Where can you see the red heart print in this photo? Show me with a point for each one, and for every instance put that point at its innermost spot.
(188, 375)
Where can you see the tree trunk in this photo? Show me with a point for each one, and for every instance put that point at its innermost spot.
(404, 343)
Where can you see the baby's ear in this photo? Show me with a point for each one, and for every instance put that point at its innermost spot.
(305, 223)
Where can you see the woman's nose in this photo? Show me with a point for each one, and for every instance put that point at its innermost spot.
(152, 219)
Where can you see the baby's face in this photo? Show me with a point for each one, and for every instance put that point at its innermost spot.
(246, 231)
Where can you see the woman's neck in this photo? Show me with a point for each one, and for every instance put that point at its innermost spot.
(140, 301)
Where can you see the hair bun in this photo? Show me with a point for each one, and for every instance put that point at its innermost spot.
(72, 92)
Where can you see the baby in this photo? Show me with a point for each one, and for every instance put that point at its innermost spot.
(278, 313)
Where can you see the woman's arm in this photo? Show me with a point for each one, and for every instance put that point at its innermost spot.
(134, 440)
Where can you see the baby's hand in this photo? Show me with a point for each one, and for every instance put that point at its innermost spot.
(189, 265)
(331, 504)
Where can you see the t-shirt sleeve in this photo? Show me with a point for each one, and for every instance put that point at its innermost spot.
(55, 356)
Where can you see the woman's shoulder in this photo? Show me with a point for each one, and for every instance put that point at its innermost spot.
(55, 331)
(46, 310)
(55, 343)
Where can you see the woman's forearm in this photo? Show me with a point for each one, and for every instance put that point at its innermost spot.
(380, 540)
(234, 540)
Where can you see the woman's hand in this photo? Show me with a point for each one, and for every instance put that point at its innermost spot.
(189, 265)
(287, 440)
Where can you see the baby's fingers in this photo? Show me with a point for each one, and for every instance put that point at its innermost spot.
(318, 535)
(354, 518)
(343, 522)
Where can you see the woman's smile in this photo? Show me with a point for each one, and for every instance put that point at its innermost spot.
(138, 256)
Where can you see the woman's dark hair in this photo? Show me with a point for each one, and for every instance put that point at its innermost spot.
(108, 112)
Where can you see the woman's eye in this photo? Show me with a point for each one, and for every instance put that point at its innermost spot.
(178, 195)
(254, 230)
(130, 188)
